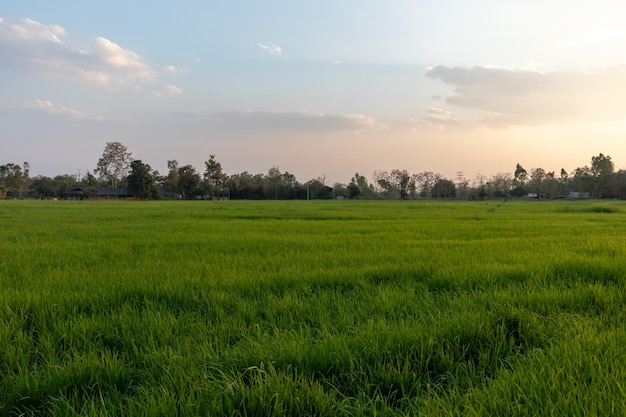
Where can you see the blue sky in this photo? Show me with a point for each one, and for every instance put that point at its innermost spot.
(325, 88)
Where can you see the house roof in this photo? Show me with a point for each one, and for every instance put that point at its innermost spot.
(100, 191)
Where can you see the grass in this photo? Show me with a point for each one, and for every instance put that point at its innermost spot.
(312, 308)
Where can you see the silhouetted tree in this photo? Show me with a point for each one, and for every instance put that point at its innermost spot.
(444, 188)
(141, 181)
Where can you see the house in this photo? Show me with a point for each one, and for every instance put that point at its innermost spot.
(96, 193)
(578, 196)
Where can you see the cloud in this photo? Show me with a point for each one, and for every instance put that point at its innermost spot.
(46, 107)
(303, 121)
(171, 69)
(440, 117)
(503, 97)
(45, 51)
(167, 90)
(271, 48)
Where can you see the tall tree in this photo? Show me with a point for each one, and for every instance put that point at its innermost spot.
(114, 163)
(581, 180)
(403, 182)
(14, 179)
(520, 174)
(170, 181)
(385, 184)
(519, 186)
(426, 180)
(317, 189)
(359, 187)
(275, 180)
(141, 180)
(43, 187)
(500, 184)
(601, 165)
(189, 182)
(444, 188)
(536, 182)
(214, 177)
(602, 170)
(247, 186)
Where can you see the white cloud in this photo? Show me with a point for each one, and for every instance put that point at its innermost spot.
(294, 121)
(167, 90)
(45, 51)
(28, 30)
(175, 70)
(271, 48)
(505, 97)
(46, 107)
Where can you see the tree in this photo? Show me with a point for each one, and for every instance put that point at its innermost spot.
(43, 187)
(426, 180)
(444, 188)
(536, 183)
(478, 187)
(563, 181)
(214, 177)
(340, 190)
(601, 165)
(247, 186)
(385, 184)
(170, 182)
(114, 163)
(141, 181)
(23, 180)
(189, 182)
(89, 180)
(403, 182)
(14, 179)
(620, 184)
(520, 174)
(581, 180)
(501, 184)
(396, 184)
(552, 186)
(602, 170)
(283, 185)
(359, 187)
(353, 190)
(64, 183)
(317, 189)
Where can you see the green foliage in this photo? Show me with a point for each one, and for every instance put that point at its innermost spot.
(343, 308)
(141, 180)
(189, 182)
(444, 189)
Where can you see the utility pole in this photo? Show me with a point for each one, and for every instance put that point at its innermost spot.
(461, 184)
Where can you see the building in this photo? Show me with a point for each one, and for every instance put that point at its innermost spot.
(96, 193)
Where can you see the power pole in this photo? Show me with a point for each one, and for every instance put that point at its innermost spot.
(461, 184)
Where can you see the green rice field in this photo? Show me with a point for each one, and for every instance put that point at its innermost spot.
(303, 308)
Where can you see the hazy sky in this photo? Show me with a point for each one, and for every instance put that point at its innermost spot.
(317, 88)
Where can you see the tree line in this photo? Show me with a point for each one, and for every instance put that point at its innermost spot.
(117, 169)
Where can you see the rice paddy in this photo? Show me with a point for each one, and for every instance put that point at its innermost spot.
(343, 308)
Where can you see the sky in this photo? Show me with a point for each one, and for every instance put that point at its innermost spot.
(322, 89)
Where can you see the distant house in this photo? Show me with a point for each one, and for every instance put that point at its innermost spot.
(578, 195)
(96, 193)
